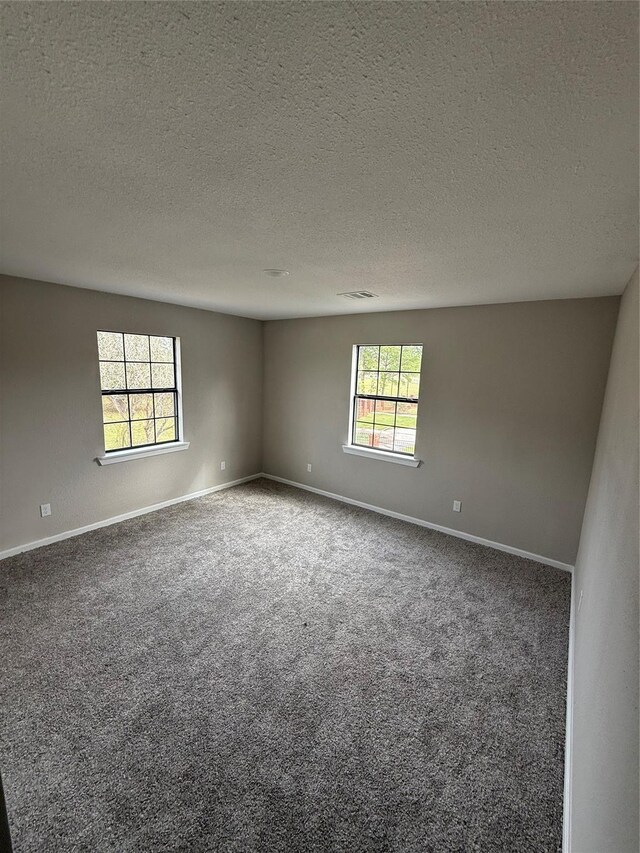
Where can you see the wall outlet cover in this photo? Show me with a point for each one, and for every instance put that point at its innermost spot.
(308, 466)
(45, 510)
(457, 506)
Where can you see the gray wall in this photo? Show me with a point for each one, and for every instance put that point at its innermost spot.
(50, 426)
(507, 423)
(508, 418)
(604, 767)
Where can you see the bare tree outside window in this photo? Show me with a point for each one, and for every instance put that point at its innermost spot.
(139, 390)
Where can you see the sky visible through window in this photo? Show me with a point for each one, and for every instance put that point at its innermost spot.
(139, 390)
(386, 400)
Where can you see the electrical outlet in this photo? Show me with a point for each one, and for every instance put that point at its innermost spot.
(45, 510)
(580, 600)
(309, 466)
(457, 506)
(223, 465)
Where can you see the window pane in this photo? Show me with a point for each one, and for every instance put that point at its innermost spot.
(165, 429)
(136, 347)
(165, 405)
(141, 406)
(115, 407)
(138, 375)
(409, 385)
(112, 376)
(161, 348)
(390, 358)
(405, 441)
(407, 414)
(142, 432)
(368, 358)
(364, 410)
(388, 384)
(385, 413)
(162, 376)
(363, 434)
(367, 383)
(116, 436)
(383, 438)
(411, 358)
(110, 346)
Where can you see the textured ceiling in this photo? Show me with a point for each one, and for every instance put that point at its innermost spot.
(435, 154)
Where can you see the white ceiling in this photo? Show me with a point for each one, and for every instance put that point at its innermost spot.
(433, 153)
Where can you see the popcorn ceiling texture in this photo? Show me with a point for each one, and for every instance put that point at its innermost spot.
(268, 671)
(433, 153)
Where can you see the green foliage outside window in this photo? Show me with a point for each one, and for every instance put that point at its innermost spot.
(139, 389)
(386, 398)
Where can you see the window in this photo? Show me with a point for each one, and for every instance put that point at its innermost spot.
(139, 383)
(386, 386)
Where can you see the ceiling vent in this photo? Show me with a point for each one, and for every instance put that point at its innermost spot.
(359, 294)
(276, 273)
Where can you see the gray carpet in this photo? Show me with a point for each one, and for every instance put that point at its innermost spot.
(268, 670)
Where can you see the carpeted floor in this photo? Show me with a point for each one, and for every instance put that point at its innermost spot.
(268, 670)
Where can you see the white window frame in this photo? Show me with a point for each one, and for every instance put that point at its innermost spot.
(371, 452)
(130, 453)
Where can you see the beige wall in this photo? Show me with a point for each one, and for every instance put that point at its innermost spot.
(508, 417)
(604, 751)
(50, 427)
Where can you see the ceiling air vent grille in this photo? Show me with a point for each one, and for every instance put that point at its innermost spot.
(358, 294)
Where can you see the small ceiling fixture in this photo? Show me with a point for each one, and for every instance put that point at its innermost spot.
(359, 294)
(276, 273)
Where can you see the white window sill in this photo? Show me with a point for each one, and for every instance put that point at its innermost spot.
(141, 452)
(383, 455)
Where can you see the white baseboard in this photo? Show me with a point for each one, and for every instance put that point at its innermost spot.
(67, 534)
(566, 818)
(568, 738)
(10, 552)
(547, 561)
